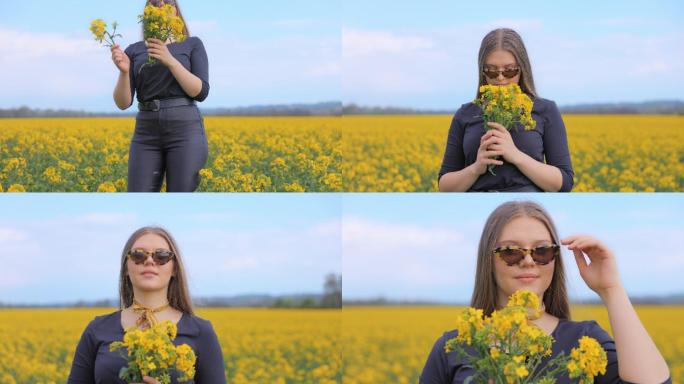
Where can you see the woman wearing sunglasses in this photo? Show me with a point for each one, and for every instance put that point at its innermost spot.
(169, 136)
(526, 161)
(152, 288)
(520, 249)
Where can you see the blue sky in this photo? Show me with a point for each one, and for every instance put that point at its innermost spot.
(260, 52)
(424, 54)
(423, 246)
(67, 247)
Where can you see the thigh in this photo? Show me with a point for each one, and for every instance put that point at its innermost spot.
(186, 149)
(145, 159)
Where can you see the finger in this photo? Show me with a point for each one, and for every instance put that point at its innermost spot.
(581, 261)
(492, 161)
(491, 154)
(496, 126)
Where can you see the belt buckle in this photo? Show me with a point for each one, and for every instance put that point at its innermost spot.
(156, 105)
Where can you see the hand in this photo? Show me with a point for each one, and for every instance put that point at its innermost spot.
(486, 155)
(503, 142)
(120, 59)
(602, 274)
(159, 50)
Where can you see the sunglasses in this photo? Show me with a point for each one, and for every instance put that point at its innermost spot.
(508, 73)
(159, 3)
(542, 255)
(160, 256)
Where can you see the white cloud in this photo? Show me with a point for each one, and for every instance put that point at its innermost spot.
(107, 218)
(8, 235)
(360, 232)
(357, 42)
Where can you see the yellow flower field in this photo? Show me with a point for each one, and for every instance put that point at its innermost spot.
(259, 345)
(391, 344)
(245, 154)
(609, 152)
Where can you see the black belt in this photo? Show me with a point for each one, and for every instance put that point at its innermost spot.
(156, 105)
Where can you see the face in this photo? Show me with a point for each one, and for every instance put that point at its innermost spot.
(160, 3)
(149, 276)
(500, 60)
(525, 232)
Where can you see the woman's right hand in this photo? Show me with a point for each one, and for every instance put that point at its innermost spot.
(120, 59)
(148, 380)
(486, 157)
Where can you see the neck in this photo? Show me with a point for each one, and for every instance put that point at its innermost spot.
(150, 299)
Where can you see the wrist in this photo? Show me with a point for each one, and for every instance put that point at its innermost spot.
(518, 158)
(610, 293)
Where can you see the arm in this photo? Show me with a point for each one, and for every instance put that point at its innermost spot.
(123, 92)
(83, 365)
(210, 365)
(546, 177)
(454, 175)
(638, 357)
(193, 85)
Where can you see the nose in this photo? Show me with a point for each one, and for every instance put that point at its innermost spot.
(149, 260)
(527, 260)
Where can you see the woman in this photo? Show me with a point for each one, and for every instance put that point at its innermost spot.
(538, 267)
(536, 160)
(152, 288)
(169, 133)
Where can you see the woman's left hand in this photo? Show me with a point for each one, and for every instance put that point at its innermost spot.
(160, 51)
(602, 274)
(504, 142)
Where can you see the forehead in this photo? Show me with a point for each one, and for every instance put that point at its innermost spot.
(524, 230)
(500, 58)
(150, 241)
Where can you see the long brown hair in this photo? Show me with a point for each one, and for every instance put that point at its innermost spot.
(186, 31)
(177, 294)
(485, 293)
(510, 40)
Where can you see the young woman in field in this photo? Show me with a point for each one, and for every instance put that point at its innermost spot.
(152, 288)
(169, 133)
(530, 161)
(520, 249)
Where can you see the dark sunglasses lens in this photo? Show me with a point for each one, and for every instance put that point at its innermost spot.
(510, 73)
(491, 74)
(162, 257)
(544, 255)
(512, 256)
(138, 256)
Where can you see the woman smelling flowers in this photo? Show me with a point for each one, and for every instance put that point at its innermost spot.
(484, 154)
(520, 250)
(157, 313)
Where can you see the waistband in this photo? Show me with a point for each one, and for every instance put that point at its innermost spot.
(156, 105)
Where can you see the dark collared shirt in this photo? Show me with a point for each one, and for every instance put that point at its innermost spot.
(447, 368)
(156, 81)
(546, 143)
(94, 363)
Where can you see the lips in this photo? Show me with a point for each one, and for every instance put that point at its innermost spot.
(526, 275)
(149, 273)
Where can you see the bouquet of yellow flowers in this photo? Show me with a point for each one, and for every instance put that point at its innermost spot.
(506, 105)
(152, 353)
(509, 348)
(99, 29)
(161, 23)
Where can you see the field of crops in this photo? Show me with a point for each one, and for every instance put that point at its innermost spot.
(245, 154)
(391, 344)
(259, 345)
(609, 152)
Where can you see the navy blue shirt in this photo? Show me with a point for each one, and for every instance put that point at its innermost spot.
(156, 81)
(546, 143)
(447, 368)
(94, 363)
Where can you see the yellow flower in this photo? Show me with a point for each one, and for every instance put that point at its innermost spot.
(16, 188)
(98, 28)
(107, 186)
(588, 360)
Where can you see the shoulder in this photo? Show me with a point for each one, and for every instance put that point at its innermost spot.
(104, 324)
(202, 326)
(468, 110)
(440, 343)
(542, 105)
(194, 41)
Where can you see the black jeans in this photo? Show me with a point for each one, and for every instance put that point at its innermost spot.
(171, 141)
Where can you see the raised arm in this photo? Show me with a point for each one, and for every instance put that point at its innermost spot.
(639, 360)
